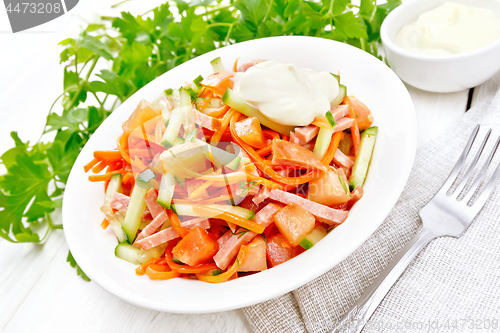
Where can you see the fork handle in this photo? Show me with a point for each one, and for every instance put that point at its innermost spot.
(356, 318)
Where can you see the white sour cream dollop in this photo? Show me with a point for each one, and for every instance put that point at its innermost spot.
(449, 29)
(285, 93)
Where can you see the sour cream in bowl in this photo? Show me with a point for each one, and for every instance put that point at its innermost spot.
(443, 46)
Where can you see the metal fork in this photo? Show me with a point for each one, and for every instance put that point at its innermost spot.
(448, 214)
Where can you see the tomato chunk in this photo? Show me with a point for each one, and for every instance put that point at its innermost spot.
(287, 153)
(249, 130)
(294, 222)
(144, 112)
(196, 248)
(255, 261)
(279, 250)
(364, 117)
(330, 188)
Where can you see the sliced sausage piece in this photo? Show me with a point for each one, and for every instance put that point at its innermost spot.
(153, 225)
(265, 215)
(356, 195)
(343, 124)
(229, 243)
(165, 235)
(229, 249)
(287, 153)
(342, 159)
(321, 212)
(262, 195)
(206, 121)
(154, 207)
(306, 133)
(339, 112)
(295, 139)
(120, 202)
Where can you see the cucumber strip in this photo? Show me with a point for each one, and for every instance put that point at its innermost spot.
(362, 162)
(187, 111)
(197, 81)
(115, 185)
(180, 114)
(136, 208)
(129, 253)
(217, 65)
(215, 272)
(228, 159)
(340, 96)
(186, 209)
(322, 142)
(176, 260)
(175, 120)
(154, 252)
(166, 191)
(336, 77)
(233, 165)
(232, 99)
(313, 237)
(146, 177)
(137, 256)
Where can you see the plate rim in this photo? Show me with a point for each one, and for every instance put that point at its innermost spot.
(125, 107)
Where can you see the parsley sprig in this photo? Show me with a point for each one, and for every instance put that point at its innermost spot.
(134, 50)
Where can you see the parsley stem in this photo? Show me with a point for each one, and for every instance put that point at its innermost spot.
(214, 10)
(226, 40)
(119, 3)
(80, 86)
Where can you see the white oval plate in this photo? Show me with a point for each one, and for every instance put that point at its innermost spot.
(366, 77)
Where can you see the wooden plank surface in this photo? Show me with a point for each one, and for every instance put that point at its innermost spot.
(41, 292)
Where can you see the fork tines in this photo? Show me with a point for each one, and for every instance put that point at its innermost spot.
(463, 193)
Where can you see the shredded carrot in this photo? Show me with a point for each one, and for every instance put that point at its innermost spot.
(128, 176)
(200, 189)
(205, 93)
(224, 123)
(141, 270)
(104, 223)
(261, 165)
(159, 130)
(99, 167)
(109, 156)
(219, 82)
(242, 254)
(138, 165)
(90, 165)
(159, 272)
(123, 146)
(332, 148)
(219, 112)
(103, 177)
(176, 223)
(206, 100)
(271, 135)
(229, 217)
(235, 66)
(356, 138)
(321, 122)
(205, 201)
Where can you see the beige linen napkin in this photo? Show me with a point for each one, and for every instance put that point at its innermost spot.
(453, 285)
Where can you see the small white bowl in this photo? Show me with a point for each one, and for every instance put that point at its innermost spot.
(438, 73)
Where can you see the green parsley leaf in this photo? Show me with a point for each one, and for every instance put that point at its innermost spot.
(73, 264)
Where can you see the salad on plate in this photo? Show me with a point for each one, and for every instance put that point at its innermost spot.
(235, 172)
